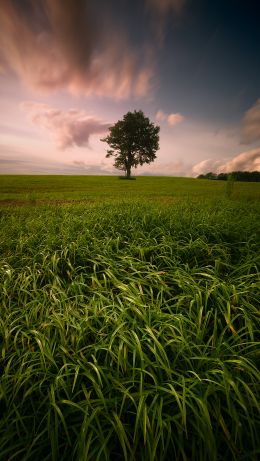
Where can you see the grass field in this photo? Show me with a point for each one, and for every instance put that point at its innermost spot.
(129, 326)
(46, 189)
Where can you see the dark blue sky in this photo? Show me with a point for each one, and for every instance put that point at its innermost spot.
(211, 59)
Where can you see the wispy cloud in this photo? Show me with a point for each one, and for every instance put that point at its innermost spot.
(52, 45)
(164, 6)
(245, 161)
(177, 168)
(89, 168)
(69, 128)
(206, 166)
(160, 11)
(251, 124)
(160, 116)
(171, 119)
(18, 161)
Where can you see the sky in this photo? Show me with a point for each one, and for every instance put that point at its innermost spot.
(70, 69)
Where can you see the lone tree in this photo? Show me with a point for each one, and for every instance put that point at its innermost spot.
(133, 141)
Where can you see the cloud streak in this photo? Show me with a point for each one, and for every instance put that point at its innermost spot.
(251, 124)
(160, 10)
(21, 163)
(52, 45)
(164, 6)
(68, 128)
(245, 161)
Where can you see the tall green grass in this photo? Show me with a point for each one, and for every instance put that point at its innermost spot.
(130, 331)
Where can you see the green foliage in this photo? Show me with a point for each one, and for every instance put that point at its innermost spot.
(130, 330)
(133, 141)
(209, 175)
(251, 176)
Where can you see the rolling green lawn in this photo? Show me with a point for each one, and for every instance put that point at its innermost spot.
(104, 188)
(129, 326)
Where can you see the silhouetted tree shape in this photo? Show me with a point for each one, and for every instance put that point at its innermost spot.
(236, 176)
(133, 141)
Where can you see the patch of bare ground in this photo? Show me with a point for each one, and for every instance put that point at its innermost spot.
(43, 202)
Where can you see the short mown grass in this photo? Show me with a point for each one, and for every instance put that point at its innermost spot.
(130, 331)
(42, 190)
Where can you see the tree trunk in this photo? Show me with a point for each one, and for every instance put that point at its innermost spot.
(128, 171)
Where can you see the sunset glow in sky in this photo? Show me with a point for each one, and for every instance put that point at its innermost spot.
(69, 69)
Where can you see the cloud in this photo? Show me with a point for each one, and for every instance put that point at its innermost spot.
(245, 161)
(57, 44)
(164, 169)
(171, 119)
(251, 124)
(15, 131)
(69, 128)
(174, 118)
(89, 168)
(205, 166)
(16, 160)
(30, 165)
(164, 6)
(160, 11)
(160, 116)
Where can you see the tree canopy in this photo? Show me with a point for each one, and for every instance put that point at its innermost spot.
(133, 141)
(236, 175)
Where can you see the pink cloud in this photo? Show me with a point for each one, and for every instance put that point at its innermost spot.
(171, 119)
(205, 166)
(251, 124)
(68, 128)
(176, 168)
(160, 116)
(245, 161)
(52, 45)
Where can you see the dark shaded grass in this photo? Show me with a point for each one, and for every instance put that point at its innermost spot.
(130, 331)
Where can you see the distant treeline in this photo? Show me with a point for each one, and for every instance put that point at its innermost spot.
(235, 175)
